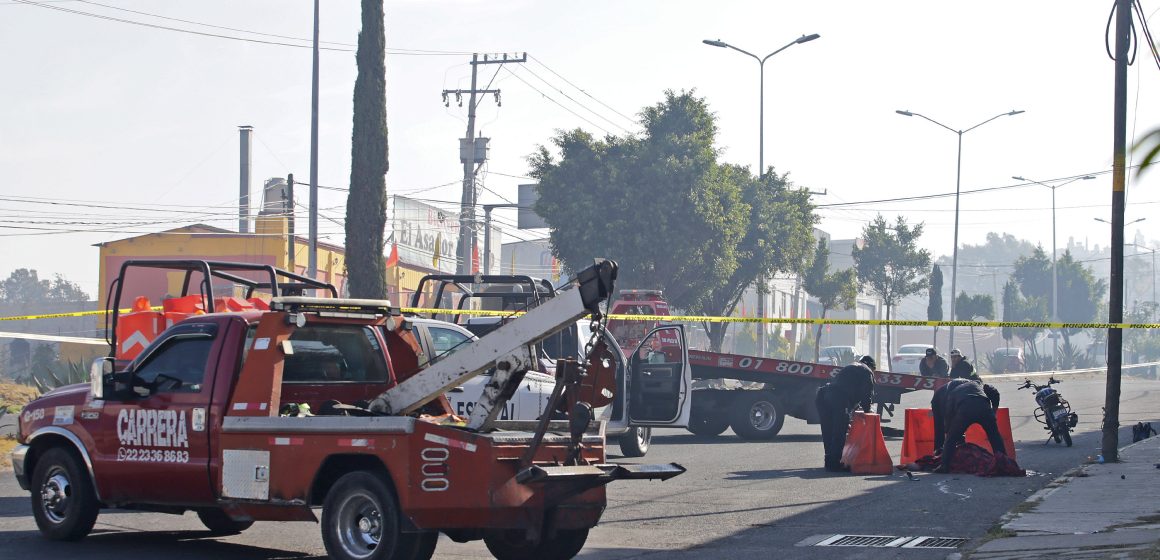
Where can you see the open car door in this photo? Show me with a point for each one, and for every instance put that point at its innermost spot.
(660, 379)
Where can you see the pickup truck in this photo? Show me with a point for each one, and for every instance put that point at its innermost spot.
(457, 298)
(198, 421)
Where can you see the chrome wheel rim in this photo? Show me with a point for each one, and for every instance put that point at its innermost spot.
(360, 525)
(762, 415)
(55, 495)
(643, 437)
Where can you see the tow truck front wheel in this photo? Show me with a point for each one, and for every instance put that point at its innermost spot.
(360, 520)
(635, 442)
(514, 545)
(63, 501)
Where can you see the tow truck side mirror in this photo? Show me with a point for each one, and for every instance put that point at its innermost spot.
(99, 374)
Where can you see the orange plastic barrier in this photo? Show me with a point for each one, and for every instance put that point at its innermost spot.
(178, 309)
(136, 329)
(231, 304)
(865, 450)
(918, 438)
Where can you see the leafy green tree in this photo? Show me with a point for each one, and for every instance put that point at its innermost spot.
(934, 300)
(1144, 343)
(970, 308)
(834, 290)
(1080, 292)
(1010, 309)
(668, 212)
(23, 289)
(366, 205)
(890, 265)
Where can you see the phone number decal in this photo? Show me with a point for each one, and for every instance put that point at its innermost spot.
(152, 455)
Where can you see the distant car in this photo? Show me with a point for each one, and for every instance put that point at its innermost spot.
(1010, 359)
(837, 355)
(906, 359)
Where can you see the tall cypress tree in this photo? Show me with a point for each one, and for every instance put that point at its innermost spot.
(934, 304)
(366, 204)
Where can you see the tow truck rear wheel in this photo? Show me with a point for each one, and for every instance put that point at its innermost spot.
(514, 545)
(635, 442)
(63, 500)
(360, 520)
(220, 524)
(757, 416)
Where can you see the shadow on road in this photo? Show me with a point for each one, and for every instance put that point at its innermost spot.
(113, 543)
(805, 474)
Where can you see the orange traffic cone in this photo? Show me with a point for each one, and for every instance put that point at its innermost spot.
(865, 451)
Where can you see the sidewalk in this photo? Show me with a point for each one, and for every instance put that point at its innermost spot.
(1096, 511)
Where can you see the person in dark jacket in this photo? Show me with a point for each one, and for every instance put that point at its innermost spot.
(933, 365)
(853, 386)
(955, 407)
(960, 367)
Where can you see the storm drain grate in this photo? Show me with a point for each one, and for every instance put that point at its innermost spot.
(935, 542)
(883, 541)
(863, 541)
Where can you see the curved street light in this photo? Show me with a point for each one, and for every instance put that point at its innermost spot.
(1054, 275)
(958, 182)
(761, 142)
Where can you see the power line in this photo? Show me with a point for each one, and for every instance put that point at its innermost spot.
(309, 42)
(549, 98)
(944, 195)
(581, 90)
(573, 100)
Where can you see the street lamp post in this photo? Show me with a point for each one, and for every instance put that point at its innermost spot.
(761, 145)
(958, 181)
(1054, 275)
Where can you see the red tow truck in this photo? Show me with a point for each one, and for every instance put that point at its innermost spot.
(207, 418)
(778, 388)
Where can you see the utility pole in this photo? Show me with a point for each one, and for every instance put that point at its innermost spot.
(290, 246)
(472, 153)
(487, 208)
(245, 132)
(312, 251)
(1111, 437)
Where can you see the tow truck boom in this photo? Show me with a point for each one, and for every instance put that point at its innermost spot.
(509, 349)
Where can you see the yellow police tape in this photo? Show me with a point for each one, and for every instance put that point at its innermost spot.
(784, 320)
(711, 319)
(72, 314)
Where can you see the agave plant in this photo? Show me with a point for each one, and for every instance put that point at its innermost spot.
(992, 362)
(59, 375)
(1036, 361)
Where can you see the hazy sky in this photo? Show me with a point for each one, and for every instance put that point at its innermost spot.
(135, 127)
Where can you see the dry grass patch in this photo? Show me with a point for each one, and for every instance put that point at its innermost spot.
(6, 445)
(15, 396)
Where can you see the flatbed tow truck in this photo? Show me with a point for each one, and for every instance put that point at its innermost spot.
(196, 421)
(787, 387)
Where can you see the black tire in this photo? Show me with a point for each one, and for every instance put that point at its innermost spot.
(707, 424)
(220, 524)
(360, 520)
(757, 416)
(513, 545)
(1066, 437)
(72, 507)
(1056, 437)
(636, 441)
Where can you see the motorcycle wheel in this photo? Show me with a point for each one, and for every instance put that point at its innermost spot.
(1067, 437)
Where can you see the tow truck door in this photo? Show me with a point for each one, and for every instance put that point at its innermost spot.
(660, 379)
(151, 444)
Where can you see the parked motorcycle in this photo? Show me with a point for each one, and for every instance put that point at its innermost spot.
(1054, 411)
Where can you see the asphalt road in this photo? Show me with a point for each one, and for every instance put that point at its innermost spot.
(738, 498)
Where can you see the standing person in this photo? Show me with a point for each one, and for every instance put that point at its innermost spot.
(853, 386)
(933, 365)
(955, 407)
(960, 367)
